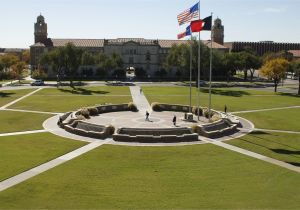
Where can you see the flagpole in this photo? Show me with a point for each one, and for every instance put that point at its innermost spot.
(191, 66)
(199, 70)
(210, 70)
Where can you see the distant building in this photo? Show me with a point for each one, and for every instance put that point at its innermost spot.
(262, 47)
(218, 32)
(15, 51)
(148, 54)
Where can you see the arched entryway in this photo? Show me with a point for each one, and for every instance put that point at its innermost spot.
(130, 73)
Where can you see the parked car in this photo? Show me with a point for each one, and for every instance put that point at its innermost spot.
(38, 83)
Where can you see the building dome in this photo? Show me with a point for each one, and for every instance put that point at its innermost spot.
(40, 19)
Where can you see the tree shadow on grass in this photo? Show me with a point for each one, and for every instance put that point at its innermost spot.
(293, 153)
(294, 164)
(82, 91)
(5, 95)
(289, 94)
(233, 93)
(286, 152)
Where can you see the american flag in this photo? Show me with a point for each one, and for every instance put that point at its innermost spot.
(188, 14)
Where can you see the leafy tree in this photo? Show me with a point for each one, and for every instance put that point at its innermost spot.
(39, 74)
(9, 60)
(87, 59)
(140, 73)
(296, 69)
(249, 62)
(56, 59)
(275, 70)
(231, 63)
(26, 57)
(18, 69)
(179, 57)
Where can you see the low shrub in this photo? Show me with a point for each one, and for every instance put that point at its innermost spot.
(197, 110)
(80, 117)
(84, 112)
(156, 107)
(110, 130)
(195, 128)
(206, 113)
(215, 117)
(93, 111)
(132, 107)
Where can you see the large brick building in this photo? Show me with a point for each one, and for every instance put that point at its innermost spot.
(148, 54)
(262, 47)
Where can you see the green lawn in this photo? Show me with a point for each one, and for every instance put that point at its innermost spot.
(21, 121)
(281, 146)
(235, 99)
(191, 177)
(286, 119)
(66, 99)
(21, 153)
(7, 96)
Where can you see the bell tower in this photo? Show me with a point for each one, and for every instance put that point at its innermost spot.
(40, 30)
(218, 32)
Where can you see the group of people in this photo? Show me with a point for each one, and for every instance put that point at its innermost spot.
(174, 118)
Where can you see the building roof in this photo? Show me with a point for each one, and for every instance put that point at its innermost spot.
(296, 53)
(170, 43)
(79, 42)
(99, 43)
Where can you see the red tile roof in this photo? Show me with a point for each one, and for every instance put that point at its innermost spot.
(98, 43)
(296, 53)
(79, 42)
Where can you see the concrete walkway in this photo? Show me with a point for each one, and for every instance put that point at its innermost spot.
(140, 100)
(254, 155)
(277, 131)
(19, 99)
(22, 133)
(49, 165)
(30, 111)
(263, 110)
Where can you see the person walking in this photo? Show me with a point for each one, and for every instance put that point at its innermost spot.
(141, 91)
(147, 116)
(174, 120)
(225, 109)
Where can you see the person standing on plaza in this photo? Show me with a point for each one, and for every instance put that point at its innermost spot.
(225, 109)
(147, 116)
(174, 120)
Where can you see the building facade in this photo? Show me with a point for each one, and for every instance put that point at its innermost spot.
(218, 32)
(262, 47)
(148, 54)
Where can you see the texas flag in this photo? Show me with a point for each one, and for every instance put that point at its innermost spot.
(202, 25)
(186, 33)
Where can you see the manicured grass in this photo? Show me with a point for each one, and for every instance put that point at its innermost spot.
(7, 96)
(21, 153)
(62, 100)
(281, 146)
(235, 99)
(192, 177)
(21, 121)
(286, 119)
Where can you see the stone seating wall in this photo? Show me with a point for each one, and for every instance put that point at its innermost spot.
(113, 108)
(156, 139)
(88, 130)
(216, 129)
(154, 131)
(174, 107)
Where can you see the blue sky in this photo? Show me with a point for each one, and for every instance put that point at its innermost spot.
(244, 20)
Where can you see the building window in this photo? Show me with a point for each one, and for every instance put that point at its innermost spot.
(148, 56)
(131, 60)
